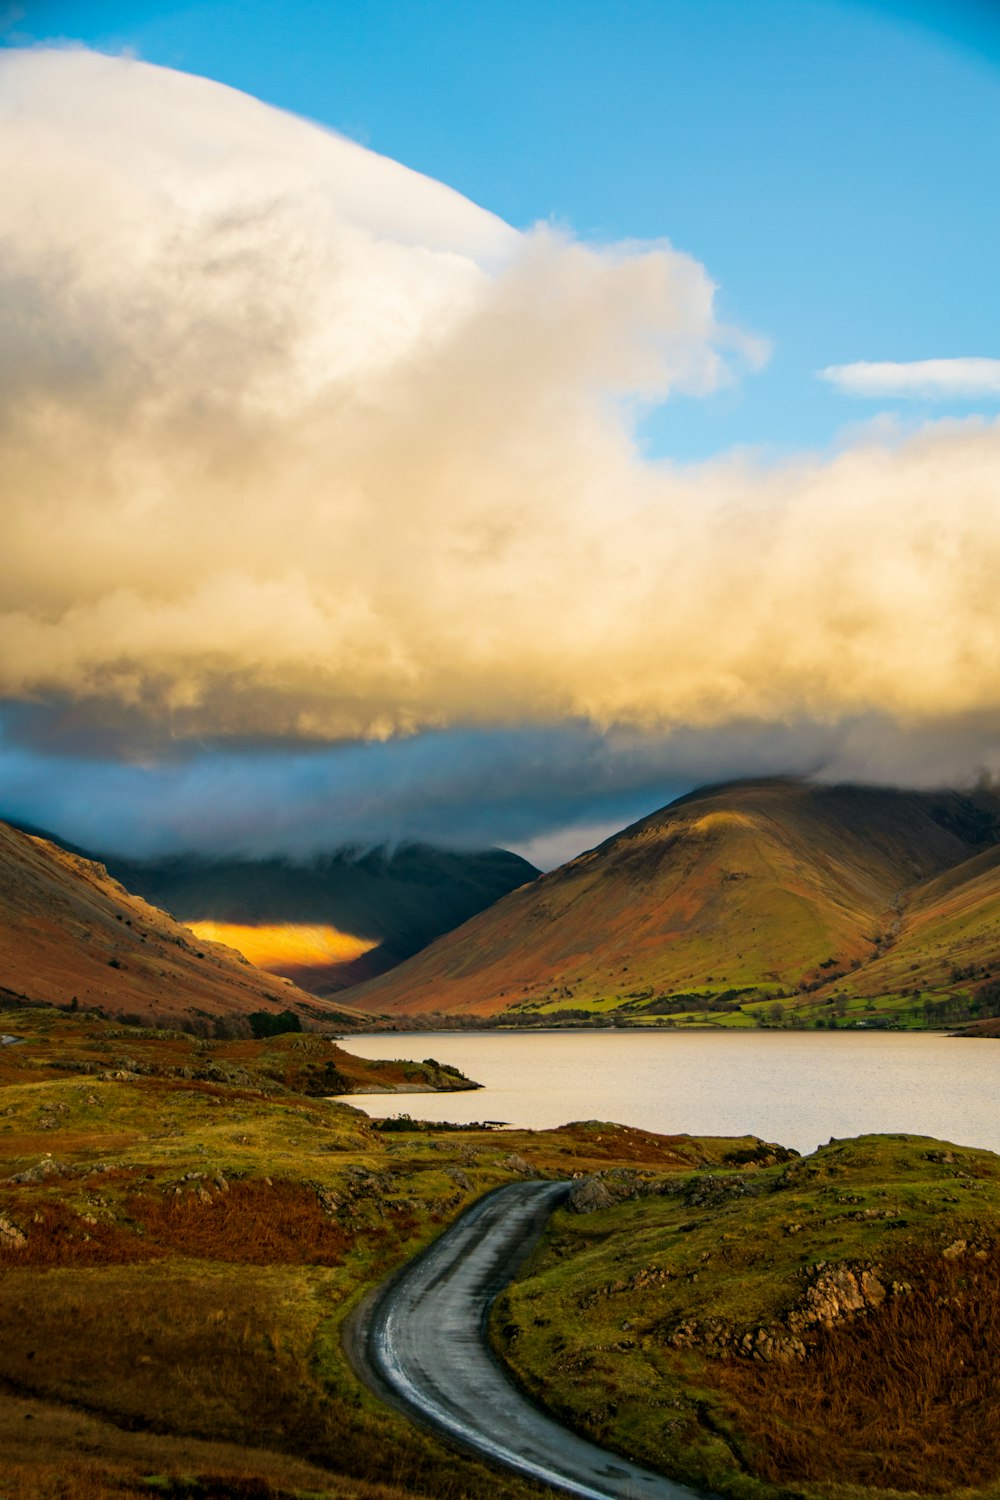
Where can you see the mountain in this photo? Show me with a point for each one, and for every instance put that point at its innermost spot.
(72, 935)
(336, 919)
(731, 898)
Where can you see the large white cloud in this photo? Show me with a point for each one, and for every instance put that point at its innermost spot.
(294, 441)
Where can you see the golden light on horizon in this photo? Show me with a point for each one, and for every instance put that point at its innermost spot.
(287, 945)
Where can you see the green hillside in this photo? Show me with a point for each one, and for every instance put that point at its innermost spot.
(822, 1327)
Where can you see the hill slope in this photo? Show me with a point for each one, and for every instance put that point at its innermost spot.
(946, 949)
(731, 895)
(70, 932)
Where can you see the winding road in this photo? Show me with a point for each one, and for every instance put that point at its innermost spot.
(421, 1344)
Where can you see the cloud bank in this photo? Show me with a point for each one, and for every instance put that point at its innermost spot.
(296, 444)
(918, 379)
(546, 792)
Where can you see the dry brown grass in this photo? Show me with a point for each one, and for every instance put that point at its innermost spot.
(85, 1479)
(80, 1479)
(252, 1223)
(907, 1398)
(201, 1361)
(154, 1346)
(256, 1222)
(32, 1144)
(50, 1452)
(57, 1236)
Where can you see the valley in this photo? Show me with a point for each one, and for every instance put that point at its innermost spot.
(73, 937)
(332, 920)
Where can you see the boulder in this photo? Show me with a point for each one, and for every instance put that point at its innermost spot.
(589, 1195)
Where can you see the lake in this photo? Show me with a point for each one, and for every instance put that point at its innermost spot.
(797, 1088)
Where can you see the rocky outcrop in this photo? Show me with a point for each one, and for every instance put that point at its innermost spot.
(11, 1238)
(605, 1189)
(703, 1190)
(717, 1339)
(832, 1294)
(589, 1196)
(836, 1292)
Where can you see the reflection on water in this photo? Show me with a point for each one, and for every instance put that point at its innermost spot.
(799, 1088)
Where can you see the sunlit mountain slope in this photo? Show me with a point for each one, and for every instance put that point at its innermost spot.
(291, 947)
(729, 897)
(947, 938)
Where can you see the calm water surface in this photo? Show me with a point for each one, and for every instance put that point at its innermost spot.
(799, 1088)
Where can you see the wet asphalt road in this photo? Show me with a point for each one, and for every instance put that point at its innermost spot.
(422, 1344)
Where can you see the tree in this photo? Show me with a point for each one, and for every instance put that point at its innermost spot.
(265, 1023)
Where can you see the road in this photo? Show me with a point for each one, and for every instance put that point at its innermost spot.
(421, 1343)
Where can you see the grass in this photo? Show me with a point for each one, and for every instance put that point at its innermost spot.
(178, 1254)
(905, 1400)
(182, 1232)
(646, 1324)
(245, 1223)
(58, 1042)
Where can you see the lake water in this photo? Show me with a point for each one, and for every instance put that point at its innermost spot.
(797, 1088)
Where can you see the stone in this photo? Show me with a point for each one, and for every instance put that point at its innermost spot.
(836, 1292)
(11, 1238)
(589, 1196)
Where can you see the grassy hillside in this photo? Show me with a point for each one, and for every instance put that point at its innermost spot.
(825, 1327)
(72, 936)
(49, 1045)
(726, 902)
(184, 1225)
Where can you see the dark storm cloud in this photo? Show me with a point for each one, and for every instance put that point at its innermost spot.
(548, 792)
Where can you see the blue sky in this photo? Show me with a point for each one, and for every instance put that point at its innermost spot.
(833, 168)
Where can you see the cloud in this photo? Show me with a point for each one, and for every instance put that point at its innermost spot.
(290, 434)
(297, 445)
(918, 379)
(546, 792)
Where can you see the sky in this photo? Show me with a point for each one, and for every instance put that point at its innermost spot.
(483, 422)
